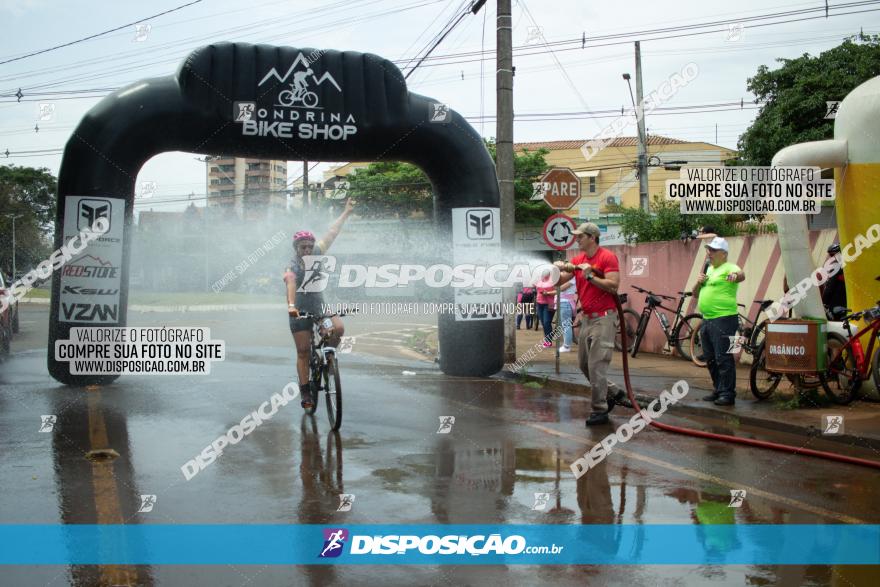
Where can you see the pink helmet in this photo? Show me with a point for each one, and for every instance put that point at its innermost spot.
(303, 235)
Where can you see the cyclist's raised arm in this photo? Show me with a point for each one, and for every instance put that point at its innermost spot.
(290, 280)
(331, 235)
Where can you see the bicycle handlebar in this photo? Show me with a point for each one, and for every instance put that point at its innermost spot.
(649, 292)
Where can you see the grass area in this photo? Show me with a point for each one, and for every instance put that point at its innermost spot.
(182, 298)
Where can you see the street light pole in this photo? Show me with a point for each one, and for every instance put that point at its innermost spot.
(13, 216)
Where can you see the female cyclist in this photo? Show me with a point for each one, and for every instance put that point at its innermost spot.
(302, 297)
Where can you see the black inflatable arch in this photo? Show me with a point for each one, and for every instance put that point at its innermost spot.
(236, 99)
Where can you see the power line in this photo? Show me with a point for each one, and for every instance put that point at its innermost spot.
(181, 7)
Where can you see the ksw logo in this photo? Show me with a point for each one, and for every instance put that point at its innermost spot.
(479, 224)
(318, 269)
(85, 291)
(90, 211)
(334, 540)
(90, 312)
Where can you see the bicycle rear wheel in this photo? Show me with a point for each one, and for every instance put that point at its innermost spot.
(333, 392)
(875, 367)
(315, 381)
(841, 381)
(696, 348)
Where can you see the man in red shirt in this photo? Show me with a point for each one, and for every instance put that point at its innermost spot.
(597, 276)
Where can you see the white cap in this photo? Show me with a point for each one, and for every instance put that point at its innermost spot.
(718, 243)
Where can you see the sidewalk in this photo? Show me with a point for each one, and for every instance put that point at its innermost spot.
(651, 373)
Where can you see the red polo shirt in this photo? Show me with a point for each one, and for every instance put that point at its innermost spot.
(594, 299)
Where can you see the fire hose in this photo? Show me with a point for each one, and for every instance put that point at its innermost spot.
(722, 437)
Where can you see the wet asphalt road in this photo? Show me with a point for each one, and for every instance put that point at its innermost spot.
(508, 442)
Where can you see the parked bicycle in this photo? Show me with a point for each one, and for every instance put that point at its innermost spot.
(752, 334)
(678, 334)
(324, 369)
(850, 363)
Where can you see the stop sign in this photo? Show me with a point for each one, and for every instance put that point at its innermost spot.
(561, 187)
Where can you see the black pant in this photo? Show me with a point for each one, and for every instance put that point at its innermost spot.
(715, 336)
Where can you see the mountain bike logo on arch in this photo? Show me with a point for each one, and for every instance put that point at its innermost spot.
(295, 111)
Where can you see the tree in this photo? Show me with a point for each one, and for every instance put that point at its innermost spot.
(796, 93)
(390, 188)
(31, 194)
(665, 222)
(387, 189)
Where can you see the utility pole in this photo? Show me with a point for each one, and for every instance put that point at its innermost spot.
(305, 185)
(643, 139)
(504, 154)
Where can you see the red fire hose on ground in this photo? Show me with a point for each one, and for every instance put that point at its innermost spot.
(726, 437)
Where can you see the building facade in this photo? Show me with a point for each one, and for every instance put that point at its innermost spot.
(248, 188)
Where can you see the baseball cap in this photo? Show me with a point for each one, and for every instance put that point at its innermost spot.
(587, 228)
(718, 244)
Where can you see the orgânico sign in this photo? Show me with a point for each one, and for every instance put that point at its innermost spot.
(562, 188)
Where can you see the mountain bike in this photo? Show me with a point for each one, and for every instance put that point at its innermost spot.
(324, 369)
(293, 95)
(752, 333)
(850, 363)
(678, 333)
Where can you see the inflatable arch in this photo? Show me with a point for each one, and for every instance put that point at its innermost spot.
(273, 103)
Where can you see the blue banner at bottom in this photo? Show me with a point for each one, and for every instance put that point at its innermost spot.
(819, 544)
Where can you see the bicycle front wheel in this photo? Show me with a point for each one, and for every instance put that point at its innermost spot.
(683, 334)
(630, 324)
(640, 334)
(333, 392)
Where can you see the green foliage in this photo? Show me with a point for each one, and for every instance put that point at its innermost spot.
(390, 189)
(796, 94)
(31, 194)
(665, 222)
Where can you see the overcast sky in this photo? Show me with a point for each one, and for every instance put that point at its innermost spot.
(567, 79)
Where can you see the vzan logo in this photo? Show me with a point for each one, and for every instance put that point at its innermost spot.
(295, 112)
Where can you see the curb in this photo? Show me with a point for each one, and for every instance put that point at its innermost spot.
(730, 418)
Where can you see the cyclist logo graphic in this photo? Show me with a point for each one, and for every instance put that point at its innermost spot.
(832, 424)
(47, 423)
(334, 540)
(318, 268)
(737, 497)
(638, 267)
(346, 500)
(541, 501)
(736, 343)
(446, 423)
